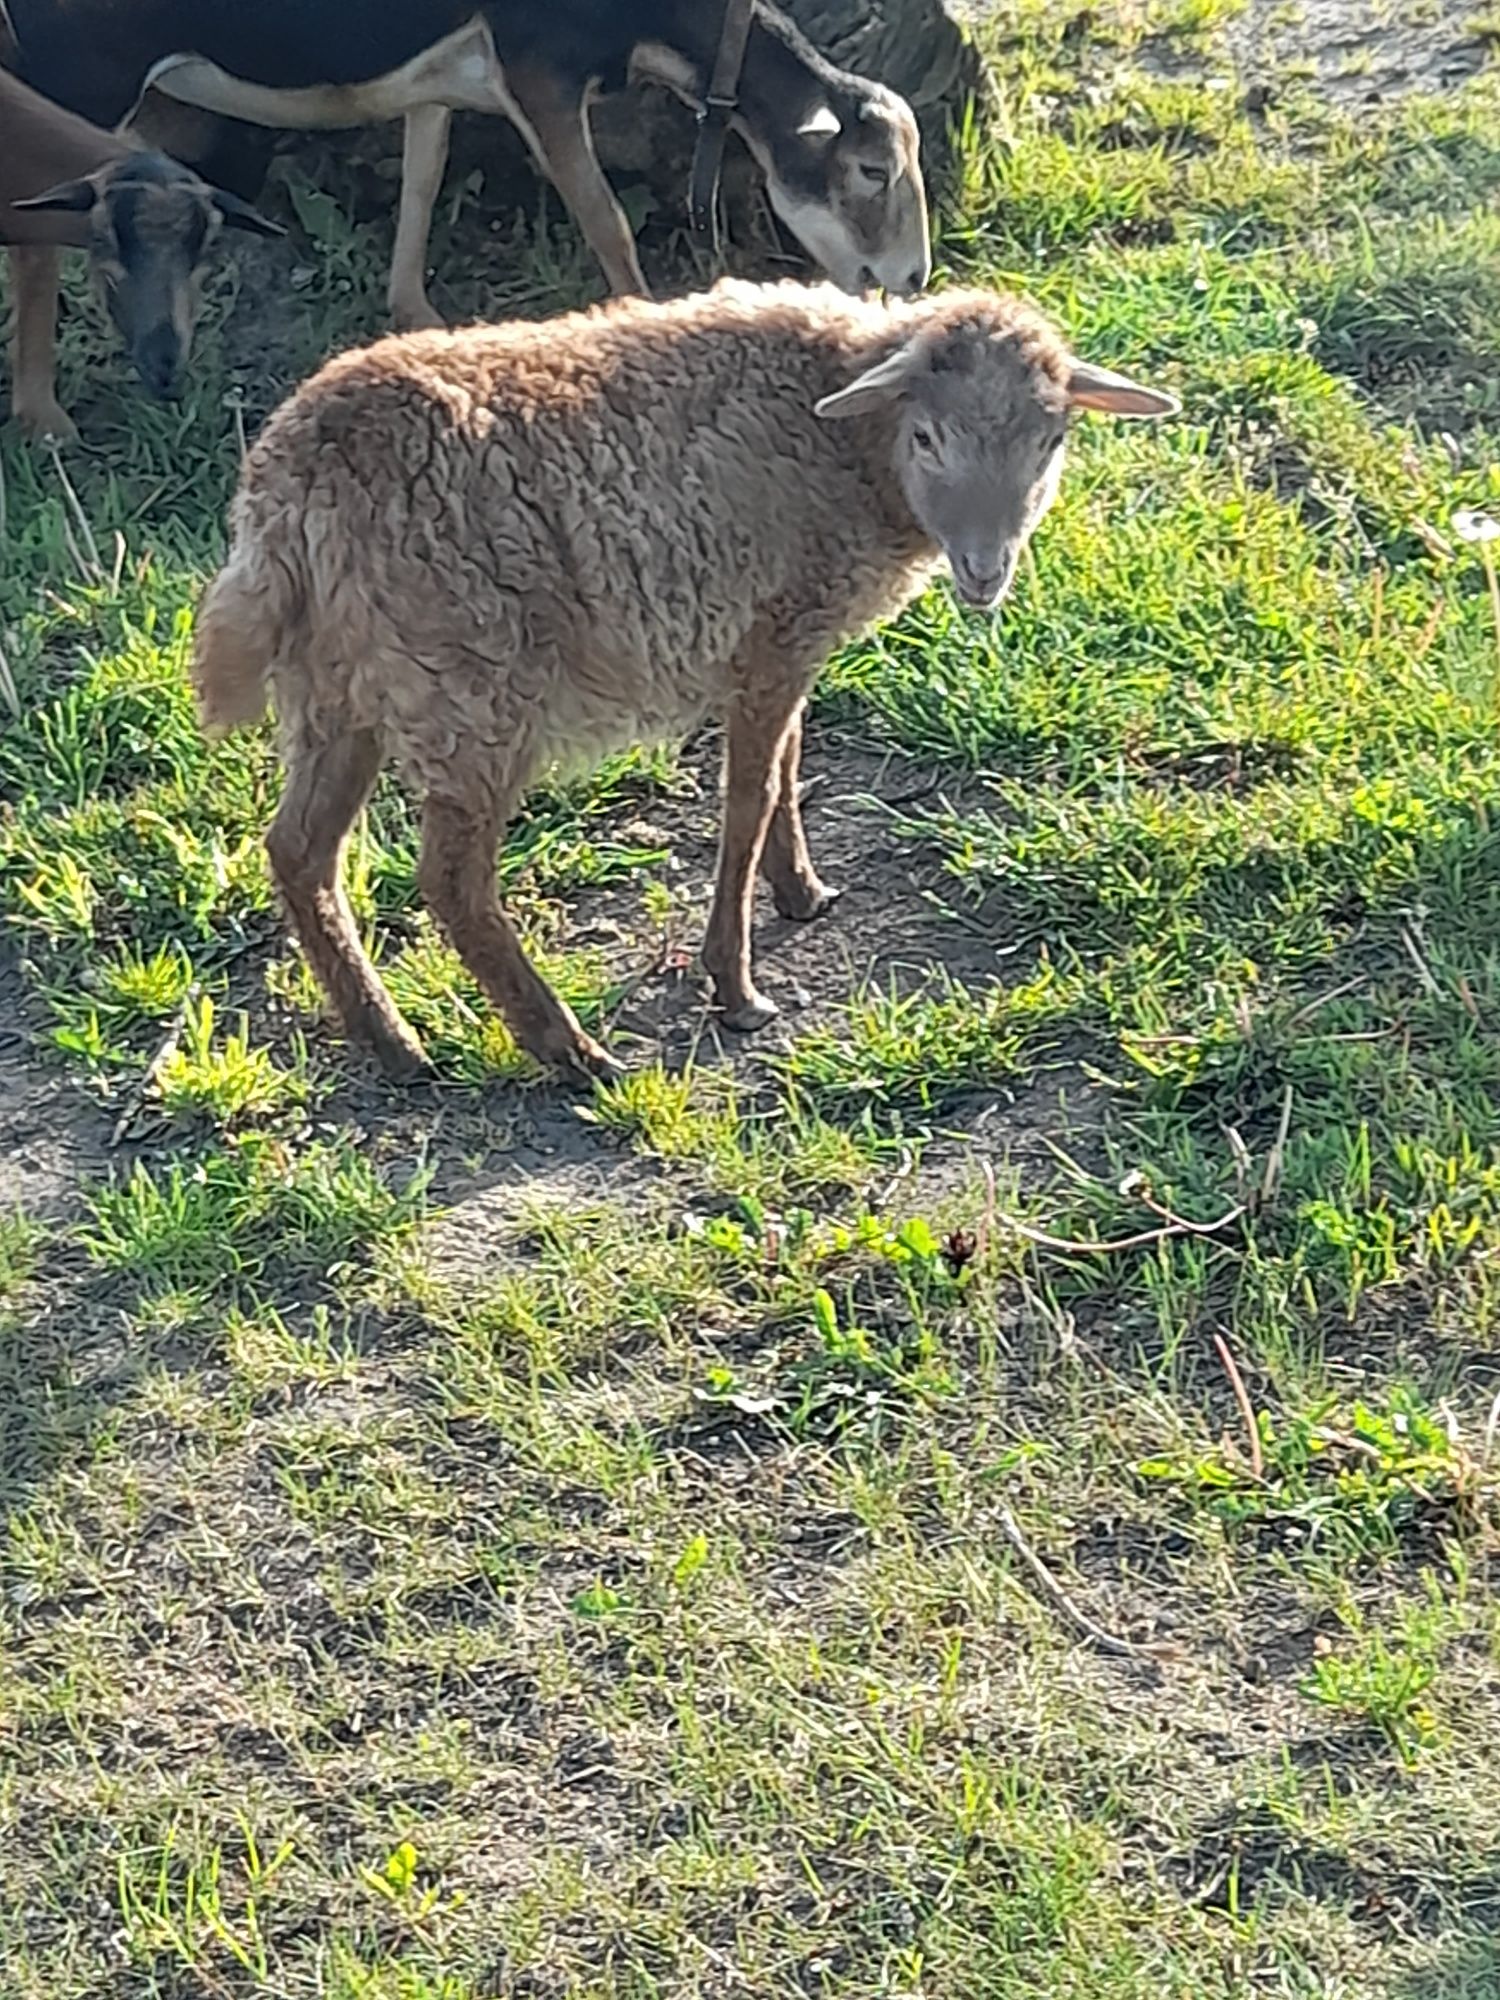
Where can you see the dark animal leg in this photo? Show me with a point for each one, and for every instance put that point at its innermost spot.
(559, 135)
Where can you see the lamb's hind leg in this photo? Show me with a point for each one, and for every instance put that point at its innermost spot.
(327, 783)
(759, 719)
(457, 879)
(785, 862)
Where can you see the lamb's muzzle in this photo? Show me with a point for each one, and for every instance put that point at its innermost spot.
(472, 554)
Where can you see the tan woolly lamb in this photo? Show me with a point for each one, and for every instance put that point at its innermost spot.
(473, 553)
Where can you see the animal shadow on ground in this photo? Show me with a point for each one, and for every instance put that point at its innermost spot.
(489, 1158)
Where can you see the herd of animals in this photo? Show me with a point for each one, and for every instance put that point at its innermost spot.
(474, 553)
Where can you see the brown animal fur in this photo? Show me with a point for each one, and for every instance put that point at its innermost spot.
(477, 552)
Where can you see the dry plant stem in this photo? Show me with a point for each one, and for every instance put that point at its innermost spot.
(1490, 1429)
(166, 1048)
(1175, 1225)
(85, 550)
(1424, 971)
(1276, 1159)
(1058, 1598)
(1242, 1397)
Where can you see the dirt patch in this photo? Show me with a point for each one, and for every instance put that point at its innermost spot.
(1361, 51)
(1356, 51)
(53, 1138)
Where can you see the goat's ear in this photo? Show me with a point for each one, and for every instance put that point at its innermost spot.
(68, 197)
(820, 124)
(877, 386)
(239, 214)
(1091, 388)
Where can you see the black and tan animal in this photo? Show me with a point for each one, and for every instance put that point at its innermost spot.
(147, 223)
(839, 152)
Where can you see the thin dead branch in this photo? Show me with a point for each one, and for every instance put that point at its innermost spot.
(1073, 1614)
(1246, 1408)
(1174, 1225)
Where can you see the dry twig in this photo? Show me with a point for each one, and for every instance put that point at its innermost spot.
(1247, 1411)
(1174, 1225)
(1058, 1598)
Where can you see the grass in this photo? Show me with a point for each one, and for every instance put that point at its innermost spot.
(463, 1544)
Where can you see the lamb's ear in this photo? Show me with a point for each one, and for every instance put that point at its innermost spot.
(1091, 388)
(68, 197)
(820, 124)
(878, 385)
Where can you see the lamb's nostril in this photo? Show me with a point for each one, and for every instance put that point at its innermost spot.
(866, 278)
(916, 281)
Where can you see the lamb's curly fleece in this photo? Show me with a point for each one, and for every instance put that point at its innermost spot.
(508, 544)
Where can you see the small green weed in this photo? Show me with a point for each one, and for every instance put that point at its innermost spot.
(224, 1079)
(238, 1214)
(21, 1241)
(1384, 1681)
(1356, 1482)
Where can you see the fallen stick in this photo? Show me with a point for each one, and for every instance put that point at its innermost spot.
(1058, 1598)
(1242, 1397)
(1175, 1225)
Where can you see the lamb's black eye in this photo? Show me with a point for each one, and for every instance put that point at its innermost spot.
(921, 437)
(877, 177)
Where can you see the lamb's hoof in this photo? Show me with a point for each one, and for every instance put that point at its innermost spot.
(401, 1057)
(586, 1062)
(802, 901)
(48, 424)
(754, 1012)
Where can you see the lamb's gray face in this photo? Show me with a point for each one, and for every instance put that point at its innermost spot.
(981, 415)
(979, 484)
(848, 185)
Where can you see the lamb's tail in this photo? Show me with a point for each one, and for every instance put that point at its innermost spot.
(245, 617)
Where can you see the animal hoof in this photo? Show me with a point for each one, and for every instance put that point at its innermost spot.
(754, 1012)
(803, 901)
(418, 317)
(49, 425)
(587, 1062)
(402, 1057)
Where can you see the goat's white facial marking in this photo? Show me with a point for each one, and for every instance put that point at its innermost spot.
(981, 413)
(847, 183)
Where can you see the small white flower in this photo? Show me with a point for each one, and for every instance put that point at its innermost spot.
(1470, 526)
